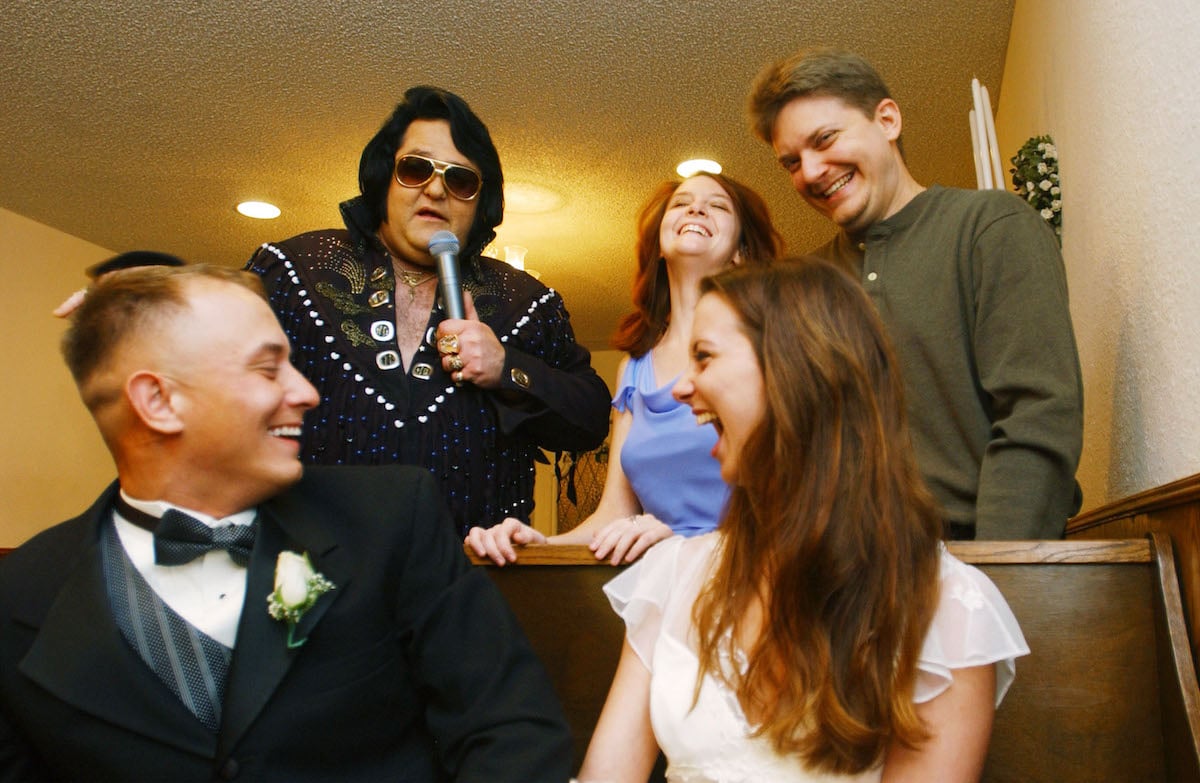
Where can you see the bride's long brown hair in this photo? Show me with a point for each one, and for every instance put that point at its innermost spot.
(829, 528)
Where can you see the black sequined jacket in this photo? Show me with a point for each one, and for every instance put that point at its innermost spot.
(334, 294)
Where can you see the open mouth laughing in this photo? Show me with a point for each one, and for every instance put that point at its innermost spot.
(838, 184)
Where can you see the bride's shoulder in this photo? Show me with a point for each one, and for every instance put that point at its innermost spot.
(697, 550)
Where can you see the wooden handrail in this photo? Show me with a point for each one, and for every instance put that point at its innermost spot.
(1177, 493)
(1074, 551)
(544, 554)
(1001, 552)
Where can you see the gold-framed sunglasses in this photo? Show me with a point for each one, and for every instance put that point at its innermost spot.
(415, 171)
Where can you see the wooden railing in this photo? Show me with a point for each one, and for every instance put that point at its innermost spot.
(1172, 509)
(1108, 693)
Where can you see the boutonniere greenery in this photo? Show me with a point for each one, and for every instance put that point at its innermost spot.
(297, 587)
(1035, 177)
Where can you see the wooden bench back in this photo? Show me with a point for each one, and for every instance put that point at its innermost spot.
(1108, 694)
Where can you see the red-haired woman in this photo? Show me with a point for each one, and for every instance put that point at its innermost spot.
(662, 478)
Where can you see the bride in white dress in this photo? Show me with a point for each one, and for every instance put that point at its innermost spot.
(823, 632)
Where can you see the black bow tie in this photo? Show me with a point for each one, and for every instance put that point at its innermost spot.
(180, 538)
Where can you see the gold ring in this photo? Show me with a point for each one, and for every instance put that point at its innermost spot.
(456, 362)
(448, 343)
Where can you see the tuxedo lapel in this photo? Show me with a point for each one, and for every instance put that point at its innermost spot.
(261, 657)
(80, 656)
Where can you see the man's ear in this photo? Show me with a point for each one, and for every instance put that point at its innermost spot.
(152, 399)
(887, 116)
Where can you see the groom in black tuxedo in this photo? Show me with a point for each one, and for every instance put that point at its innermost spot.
(126, 654)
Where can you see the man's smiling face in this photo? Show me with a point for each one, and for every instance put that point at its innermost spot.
(844, 163)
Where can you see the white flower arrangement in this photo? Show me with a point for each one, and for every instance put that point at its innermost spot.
(1035, 177)
(297, 587)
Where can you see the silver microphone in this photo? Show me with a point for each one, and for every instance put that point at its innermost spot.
(444, 247)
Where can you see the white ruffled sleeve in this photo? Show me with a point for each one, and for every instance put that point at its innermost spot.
(655, 594)
(972, 626)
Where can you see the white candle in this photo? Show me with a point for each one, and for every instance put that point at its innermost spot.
(981, 128)
(975, 148)
(993, 147)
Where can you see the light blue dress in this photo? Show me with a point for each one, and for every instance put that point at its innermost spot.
(667, 457)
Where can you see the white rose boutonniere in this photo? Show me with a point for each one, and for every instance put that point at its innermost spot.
(297, 587)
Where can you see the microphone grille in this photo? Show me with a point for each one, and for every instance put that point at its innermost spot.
(443, 242)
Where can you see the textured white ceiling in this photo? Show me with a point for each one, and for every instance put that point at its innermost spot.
(140, 125)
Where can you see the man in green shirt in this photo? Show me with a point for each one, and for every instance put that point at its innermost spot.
(970, 284)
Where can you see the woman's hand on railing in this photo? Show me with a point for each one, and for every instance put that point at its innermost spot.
(499, 542)
(627, 539)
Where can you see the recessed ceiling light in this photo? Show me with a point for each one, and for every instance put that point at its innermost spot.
(697, 165)
(258, 209)
(528, 199)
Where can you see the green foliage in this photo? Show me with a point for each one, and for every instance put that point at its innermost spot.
(1035, 177)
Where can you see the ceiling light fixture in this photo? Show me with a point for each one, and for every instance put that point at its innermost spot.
(258, 209)
(514, 256)
(697, 165)
(525, 198)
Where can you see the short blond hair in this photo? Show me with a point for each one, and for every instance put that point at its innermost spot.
(126, 304)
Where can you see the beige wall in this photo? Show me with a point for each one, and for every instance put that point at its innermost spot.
(607, 363)
(52, 461)
(1114, 82)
